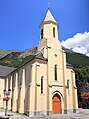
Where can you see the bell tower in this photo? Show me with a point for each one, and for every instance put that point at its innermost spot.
(49, 27)
(48, 33)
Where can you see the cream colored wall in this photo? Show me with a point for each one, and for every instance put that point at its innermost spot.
(55, 60)
(14, 91)
(1, 92)
(75, 90)
(60, 61)
(59, 85)
(7, 86)
(29, 95)
(41, 98)
(36, 98)
(10, 87)
(20, 91)
(52, 48)
(26, 95)
(48, 39)
(48, 34)
(48, 30)
(72, 91)
(69, 91)
(27, 86)
(42, 44)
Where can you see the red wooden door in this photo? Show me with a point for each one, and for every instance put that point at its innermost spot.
(56, 104)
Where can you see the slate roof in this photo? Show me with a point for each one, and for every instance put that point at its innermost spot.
(38, 56)
(69, 65)
(4, 70)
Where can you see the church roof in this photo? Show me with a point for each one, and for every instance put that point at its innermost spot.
(49, 17)
(38, 56)
(4, 70)
(69, 65)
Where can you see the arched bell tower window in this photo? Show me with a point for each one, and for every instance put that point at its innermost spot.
(55, 72)
(54, 32)
(68, 83)
(41, 84)
(42, 33)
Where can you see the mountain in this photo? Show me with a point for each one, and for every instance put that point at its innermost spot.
(15, 58)
(76, 59)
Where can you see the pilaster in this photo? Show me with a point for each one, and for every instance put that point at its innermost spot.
(64, 78)
(6, 88)
(74, 92)
(22, 94)
(15, 94)
(6, 84)
(32, 94)
(10, 96)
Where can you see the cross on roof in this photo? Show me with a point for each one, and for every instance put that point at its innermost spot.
(48, 5)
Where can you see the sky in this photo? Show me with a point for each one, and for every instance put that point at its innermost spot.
(20, 20)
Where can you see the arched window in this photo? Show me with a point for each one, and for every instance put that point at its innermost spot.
(68, 83)
(13, 80)
(55, 72)
(54, 32)
(41, 84)
(41, 33)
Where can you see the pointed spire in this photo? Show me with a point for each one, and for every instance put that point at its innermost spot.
(49, 17)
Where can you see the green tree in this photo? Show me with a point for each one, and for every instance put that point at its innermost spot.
(82, 80)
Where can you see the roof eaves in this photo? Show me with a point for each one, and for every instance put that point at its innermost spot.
(69, 65)
(34, 57)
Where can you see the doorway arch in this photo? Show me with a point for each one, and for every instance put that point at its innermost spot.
(56, 104)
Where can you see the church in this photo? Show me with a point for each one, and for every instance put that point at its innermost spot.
(45, 84)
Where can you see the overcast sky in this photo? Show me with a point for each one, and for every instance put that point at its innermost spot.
(20, 20)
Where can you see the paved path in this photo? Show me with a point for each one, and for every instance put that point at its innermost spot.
(83, 114)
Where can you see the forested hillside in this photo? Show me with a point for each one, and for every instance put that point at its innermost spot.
(16, 58)
(76, 59)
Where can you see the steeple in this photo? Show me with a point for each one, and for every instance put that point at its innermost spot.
(49, 27)
(48, 33)
(49, 18)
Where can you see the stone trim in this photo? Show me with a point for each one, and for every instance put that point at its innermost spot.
(49, 113)
(39, 113)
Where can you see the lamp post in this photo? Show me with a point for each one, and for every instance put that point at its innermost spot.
(6, 98)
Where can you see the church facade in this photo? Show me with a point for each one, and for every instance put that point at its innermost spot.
(45, 84)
